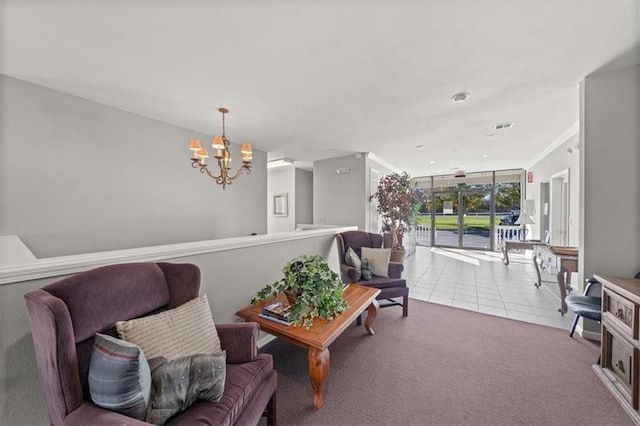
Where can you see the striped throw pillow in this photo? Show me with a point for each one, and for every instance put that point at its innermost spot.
(119, 377)
(185, 330)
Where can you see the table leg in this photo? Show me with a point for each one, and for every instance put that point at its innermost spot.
(505, 253)
(535, 263)
(372, 313)
(318, 373)
(563, 290)
(567, 266)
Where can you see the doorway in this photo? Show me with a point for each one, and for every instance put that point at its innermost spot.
(463, 218)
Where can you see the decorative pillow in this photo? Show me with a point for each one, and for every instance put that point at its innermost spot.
(351, 258)
(366, 271)
(185, 330)
(378, 260)
(178, 384)
(119, 377)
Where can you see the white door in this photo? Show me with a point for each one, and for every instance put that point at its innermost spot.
(559, 209)
(374, 218)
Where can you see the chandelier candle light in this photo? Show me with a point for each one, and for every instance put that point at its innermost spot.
(221, 145)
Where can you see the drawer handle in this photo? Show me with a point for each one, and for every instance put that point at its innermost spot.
(620, 314)
(620, 366)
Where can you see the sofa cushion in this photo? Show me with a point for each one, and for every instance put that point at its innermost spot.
(178, 384)
(242, 382)
(185, 330)
(119, 377)
(382, 283)
(378, 260)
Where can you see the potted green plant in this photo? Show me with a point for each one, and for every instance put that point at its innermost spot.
(312, 288)
(397, 202)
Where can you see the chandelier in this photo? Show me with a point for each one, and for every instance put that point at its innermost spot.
(221, 145)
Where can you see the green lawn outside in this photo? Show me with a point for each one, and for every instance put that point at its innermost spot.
(450, 222)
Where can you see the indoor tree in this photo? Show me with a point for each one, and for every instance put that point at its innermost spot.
(398, 200)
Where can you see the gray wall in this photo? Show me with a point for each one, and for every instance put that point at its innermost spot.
(340, 199)
(557, 161)
(610, 173)
(281, 181)
(80, 177)
(229, 278)
(304, 196)
(343, 199)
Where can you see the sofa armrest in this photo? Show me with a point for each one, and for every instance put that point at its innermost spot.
(240, 340)
(395, 269)
(349, 274)
(90, 414)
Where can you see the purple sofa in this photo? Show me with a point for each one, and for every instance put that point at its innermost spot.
(66, 315)
(391, 288)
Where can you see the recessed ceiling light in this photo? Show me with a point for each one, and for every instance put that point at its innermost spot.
(491, 135)
(460, 97)
(419, 146)
(485, 155)
(432, 162)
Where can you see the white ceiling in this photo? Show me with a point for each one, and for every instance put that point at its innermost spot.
(309, 80)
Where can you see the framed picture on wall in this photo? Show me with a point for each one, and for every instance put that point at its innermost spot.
(280, 204)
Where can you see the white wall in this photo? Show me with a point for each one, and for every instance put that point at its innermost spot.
(80, 177)
(556, 162)
(610, 178)
(304, 197)
(281, 181)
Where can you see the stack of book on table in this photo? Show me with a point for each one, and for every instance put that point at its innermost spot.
(277, 311)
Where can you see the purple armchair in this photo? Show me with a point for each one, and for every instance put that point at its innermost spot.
(66, 315)
(392, 288)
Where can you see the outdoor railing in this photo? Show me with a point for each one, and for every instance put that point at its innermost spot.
(423, 235)
(506, 233)
(502, 233)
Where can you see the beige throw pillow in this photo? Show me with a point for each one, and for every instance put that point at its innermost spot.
(185, 330)
(378, 260)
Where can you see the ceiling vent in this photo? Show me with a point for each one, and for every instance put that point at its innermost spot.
(503, 126)
(460, 174)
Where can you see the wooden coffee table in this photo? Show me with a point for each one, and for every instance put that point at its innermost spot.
(322, 333)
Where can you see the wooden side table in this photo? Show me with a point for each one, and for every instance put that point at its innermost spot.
(521, 245)
(564, 264)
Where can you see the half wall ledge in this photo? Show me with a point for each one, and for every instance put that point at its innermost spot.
(18, 264)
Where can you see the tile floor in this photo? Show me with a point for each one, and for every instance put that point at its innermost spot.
(479, 281)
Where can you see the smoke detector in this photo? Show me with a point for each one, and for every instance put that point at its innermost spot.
(460, 97)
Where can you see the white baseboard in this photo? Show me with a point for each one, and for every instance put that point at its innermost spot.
(591, 335)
